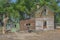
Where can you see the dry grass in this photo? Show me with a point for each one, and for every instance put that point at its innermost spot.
(43, 35)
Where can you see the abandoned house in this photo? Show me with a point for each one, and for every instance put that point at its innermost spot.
(42, 19)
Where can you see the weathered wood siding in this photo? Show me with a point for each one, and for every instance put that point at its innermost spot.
(50, 23)
(39, 23)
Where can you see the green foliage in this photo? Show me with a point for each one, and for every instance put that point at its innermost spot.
(2, 2)
(20, 7)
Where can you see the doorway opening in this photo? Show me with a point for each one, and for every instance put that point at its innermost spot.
(44, 24)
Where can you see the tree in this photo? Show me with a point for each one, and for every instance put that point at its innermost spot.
(20, 7)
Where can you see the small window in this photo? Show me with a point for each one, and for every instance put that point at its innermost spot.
(28, 24)
(44, 12)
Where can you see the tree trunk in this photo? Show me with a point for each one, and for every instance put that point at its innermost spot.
(4, 28)
(4, 24)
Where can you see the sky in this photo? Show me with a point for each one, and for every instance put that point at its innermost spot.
(59, 4)
(13, 0)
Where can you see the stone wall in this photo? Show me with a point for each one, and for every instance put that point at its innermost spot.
(23, 24)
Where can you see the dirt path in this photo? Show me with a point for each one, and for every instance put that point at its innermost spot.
(45, 35)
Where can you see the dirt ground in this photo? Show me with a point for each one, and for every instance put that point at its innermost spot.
(42, 35)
